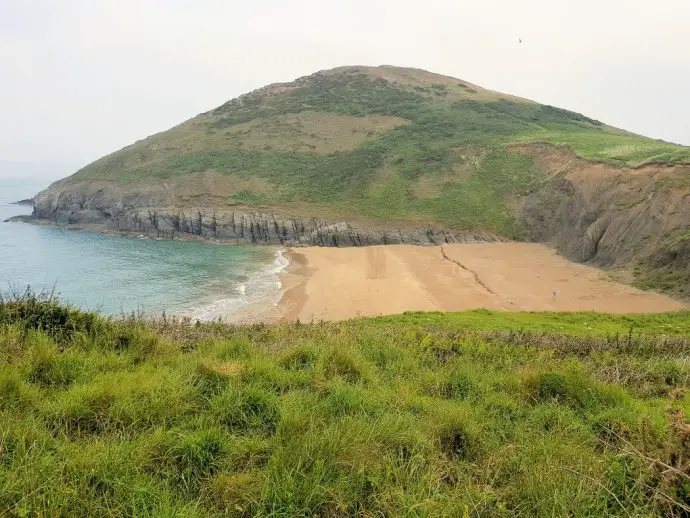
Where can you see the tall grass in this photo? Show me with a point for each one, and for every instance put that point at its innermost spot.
(463, 414)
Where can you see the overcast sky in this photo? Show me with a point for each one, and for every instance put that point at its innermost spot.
(82, 78)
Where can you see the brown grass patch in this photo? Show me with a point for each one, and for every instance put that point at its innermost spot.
(223, 185)
(411, 77)
(229, 369)
(308, 132)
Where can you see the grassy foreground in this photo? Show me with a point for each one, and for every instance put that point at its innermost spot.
(462, 414)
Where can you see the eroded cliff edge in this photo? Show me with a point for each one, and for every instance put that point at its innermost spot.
(613, 216)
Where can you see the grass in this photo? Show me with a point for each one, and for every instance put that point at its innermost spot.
(613, 147)
(464, 414)
(282, 137)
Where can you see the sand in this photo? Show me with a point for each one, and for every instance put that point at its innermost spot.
(342, 283)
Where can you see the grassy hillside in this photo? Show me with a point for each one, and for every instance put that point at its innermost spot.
(387, 144)
(463, 414)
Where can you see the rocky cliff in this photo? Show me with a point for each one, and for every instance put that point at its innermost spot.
(613, 216)
(105, 206)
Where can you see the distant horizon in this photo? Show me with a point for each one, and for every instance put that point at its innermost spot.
(34, 172)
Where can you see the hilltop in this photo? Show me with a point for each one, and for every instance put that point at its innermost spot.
(364, 155)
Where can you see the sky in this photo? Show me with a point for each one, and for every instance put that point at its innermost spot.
(82, 78)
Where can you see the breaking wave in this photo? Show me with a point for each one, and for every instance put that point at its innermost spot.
(262, 287)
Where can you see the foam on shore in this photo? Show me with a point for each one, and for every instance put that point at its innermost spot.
(260, 288)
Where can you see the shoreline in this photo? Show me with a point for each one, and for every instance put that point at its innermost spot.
(339, 283)
(250, 301)
(104, 230)
(294, 279)
(250, 227)
(324, 283)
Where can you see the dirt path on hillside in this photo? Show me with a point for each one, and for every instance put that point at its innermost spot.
(341, 283)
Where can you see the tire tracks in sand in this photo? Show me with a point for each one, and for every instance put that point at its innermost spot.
(376, 262)
(474, 274)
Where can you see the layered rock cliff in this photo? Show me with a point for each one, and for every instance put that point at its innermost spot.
(105, 206)
(614, 216)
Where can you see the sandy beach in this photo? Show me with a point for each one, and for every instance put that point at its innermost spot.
(342, 283)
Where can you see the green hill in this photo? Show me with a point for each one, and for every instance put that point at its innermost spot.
(467, 414)
(393, 154)
(384, 143)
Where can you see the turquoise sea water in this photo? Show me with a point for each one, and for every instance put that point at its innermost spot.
(122, 274)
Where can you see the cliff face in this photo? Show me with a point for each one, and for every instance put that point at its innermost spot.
(149, 211)
(612, 217)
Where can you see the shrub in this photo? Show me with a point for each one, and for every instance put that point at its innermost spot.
(248, 452)
(47, 365)
(268, 374)
(236, 494)
(209, 379)
(553, 386)
(342, 399)
(438, 348)
(15, 395)
(610, 429)
(187, 457)
(136, 339)
(457, 442)
(246, 410)
(623, 477)
(576, 391)
(151, 397)
(44, 312)
(344, 363)
(237, 347)
(457, 384)
(302, 357)
(82, 410)
(12, 340)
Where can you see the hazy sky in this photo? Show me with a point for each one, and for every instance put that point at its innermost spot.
(82, 78)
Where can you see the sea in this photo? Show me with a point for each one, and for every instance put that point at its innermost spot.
(120, 275)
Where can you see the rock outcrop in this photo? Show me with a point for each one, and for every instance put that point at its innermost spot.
(613, 217)
(147, 210)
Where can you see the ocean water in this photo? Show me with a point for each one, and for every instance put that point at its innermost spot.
(118, 275)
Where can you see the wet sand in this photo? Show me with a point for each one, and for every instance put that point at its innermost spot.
(342, 283)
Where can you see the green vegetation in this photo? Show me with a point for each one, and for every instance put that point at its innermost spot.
(345, 94)
(377, 178)
(614, 147)
(248, 197)
(667, 267)
(466, 414)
